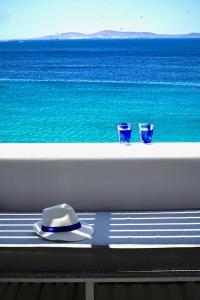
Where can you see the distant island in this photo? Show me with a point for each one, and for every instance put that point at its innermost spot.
(110, 34)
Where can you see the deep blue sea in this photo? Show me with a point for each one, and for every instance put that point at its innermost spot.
(78, 90)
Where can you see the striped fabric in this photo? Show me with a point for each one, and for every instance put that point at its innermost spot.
(105, 291)
(158, 229)
(148, 291)
(42, 291)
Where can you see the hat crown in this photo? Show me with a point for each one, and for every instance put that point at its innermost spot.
(59, 215)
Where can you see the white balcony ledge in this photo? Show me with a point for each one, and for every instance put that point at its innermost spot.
(100, 176)
(81, 151)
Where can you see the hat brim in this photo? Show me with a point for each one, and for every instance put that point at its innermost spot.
(82, 233)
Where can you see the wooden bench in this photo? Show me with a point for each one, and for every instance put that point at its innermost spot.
(126, 246)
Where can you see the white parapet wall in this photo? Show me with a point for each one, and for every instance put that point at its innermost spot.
(100, 176)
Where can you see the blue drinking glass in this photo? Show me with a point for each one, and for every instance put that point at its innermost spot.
(124, 132)
(146, 133)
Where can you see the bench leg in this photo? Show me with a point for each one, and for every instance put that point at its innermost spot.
(89, 290)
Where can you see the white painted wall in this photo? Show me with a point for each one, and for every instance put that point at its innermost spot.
(100, 176)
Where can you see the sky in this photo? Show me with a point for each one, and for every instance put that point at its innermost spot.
(37, 18)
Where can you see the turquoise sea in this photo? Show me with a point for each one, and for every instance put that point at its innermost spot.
(78, 90)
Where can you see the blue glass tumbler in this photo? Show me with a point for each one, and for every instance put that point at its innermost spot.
(146, 133)
(124, 132)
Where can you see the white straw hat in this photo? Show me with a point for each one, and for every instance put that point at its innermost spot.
(60, 223)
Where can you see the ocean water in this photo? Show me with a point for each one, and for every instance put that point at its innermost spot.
(78, 90)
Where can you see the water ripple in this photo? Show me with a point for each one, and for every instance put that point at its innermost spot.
(192, 84)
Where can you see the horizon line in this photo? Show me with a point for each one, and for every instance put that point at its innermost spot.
(45, 37)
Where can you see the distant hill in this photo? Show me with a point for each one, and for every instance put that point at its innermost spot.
(110, 34)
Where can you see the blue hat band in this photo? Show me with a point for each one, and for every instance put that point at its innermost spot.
(61, 228)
